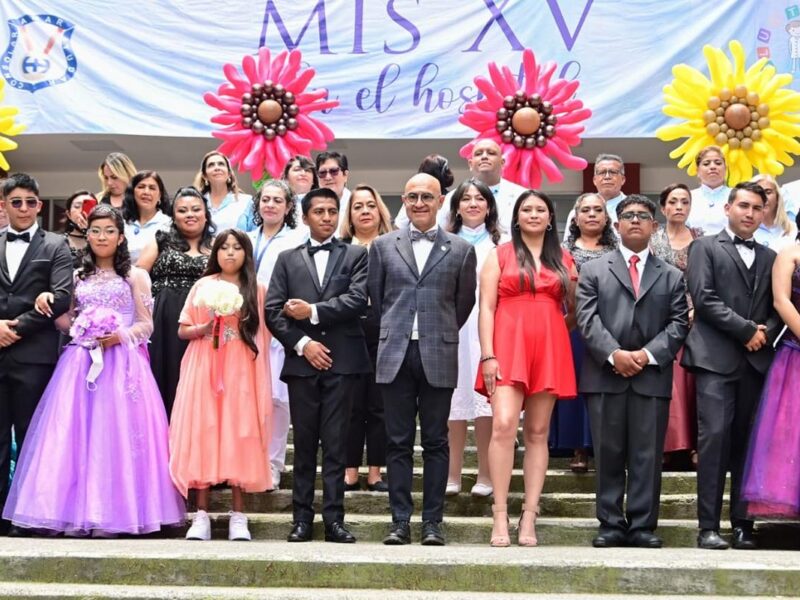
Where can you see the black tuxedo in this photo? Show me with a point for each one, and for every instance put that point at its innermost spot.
(730, 299)
(26, 366)
(319, 401)
(629, 415)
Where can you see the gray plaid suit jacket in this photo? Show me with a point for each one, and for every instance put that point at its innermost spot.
(442, 296)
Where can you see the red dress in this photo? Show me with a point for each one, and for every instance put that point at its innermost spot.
(531, 341)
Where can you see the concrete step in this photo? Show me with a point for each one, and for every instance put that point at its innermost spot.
(547, 570)
(57, 591)
(551, 531)
(673, 506)
(557, 481)
(470, 435)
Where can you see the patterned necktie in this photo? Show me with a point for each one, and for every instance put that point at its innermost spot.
(634, 274)
(418, 235)
(25, 237)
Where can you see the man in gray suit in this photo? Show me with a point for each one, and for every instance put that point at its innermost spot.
(633, 314)
(422, 287)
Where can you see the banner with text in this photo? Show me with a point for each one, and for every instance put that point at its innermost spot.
(400, 68)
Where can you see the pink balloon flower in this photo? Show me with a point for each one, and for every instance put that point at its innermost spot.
(535, 121)
(265, 112)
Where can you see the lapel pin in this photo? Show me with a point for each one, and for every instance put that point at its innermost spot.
(444, 248)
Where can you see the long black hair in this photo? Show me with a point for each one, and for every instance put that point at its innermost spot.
(250, 314)
(129, 207)
(552, 254)
(69, 225)
(454, 222)
(175, 238)
(122, 258)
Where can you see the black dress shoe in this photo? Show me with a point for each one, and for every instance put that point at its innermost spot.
(709, 539)
(352, 487)
(644, 539)
(338, 533)
(609, 538)
(19, 532)
(378, 486)
(301, 532)
(399, 534)
(743, 539)
(432, 534)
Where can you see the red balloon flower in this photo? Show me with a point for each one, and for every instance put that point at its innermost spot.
(265, 110)
(535, 121)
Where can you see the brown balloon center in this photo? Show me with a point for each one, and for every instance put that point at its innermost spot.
(526, 121)
(269, 111)
(737, 116)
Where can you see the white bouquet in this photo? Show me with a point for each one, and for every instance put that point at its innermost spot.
(222, 298)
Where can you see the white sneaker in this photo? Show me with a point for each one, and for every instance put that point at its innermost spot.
(237, 527)
(276, 477)
(201, 527)
(452, 489)
(482, 490)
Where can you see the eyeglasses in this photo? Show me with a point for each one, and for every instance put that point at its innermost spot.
(608, 173)
(413, 198)
(97, 232)
(631, 215)
(329, 172)
(29, 202)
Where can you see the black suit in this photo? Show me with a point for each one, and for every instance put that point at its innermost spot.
(26, 366)
(319, 401)
(730, 300)
(629, 415)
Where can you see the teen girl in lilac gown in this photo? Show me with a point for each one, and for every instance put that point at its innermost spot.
(95, 460)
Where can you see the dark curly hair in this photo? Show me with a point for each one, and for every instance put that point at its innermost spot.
(290, 219)
(130, 209)
(175, 239)
(608, 239)
(250, 313)
(122, 258)
(454, 222)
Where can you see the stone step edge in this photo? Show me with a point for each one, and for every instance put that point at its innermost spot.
(54, 591)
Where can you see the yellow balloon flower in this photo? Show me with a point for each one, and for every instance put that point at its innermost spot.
(745, 111)
(7, 128)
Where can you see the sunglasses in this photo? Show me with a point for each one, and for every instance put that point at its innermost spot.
(329, 172)
(29, 202)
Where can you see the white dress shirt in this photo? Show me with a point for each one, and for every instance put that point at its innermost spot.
(15, 251)
(708, 209)
(422, 250)
(748, 255)
(321, 263)
(643, 256)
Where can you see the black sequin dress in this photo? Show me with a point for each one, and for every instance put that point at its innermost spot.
(173, 275)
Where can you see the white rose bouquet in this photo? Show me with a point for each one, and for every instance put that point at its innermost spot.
(220, 297)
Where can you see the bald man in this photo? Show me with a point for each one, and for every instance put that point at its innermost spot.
(422, 287)
(486, 165)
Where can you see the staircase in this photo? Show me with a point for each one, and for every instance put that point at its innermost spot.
(563, 566)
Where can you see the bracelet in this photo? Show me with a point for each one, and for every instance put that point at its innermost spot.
(487, 358)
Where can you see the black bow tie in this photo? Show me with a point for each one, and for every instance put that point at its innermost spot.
(326, 247)
(25, 237)
(751, 243)
(418, 235)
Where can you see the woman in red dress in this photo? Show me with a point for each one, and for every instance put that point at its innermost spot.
(527, 303)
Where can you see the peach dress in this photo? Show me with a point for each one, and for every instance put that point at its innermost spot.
(220, 425)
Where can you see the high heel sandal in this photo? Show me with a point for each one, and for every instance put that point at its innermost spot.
(500, 541)
(528, 540)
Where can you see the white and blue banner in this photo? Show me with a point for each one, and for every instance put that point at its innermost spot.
(400, 68)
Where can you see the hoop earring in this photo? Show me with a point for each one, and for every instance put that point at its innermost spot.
(516, 226)
(549, 227)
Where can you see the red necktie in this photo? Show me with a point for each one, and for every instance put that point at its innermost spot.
(634, 274)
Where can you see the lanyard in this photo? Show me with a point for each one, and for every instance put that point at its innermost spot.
(260, 253)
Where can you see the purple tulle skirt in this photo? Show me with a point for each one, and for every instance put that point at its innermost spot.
(772, 473)
(97, 461)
